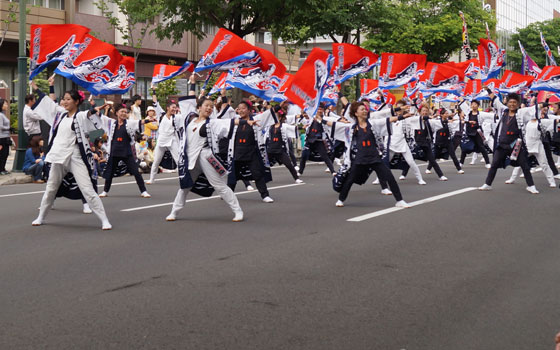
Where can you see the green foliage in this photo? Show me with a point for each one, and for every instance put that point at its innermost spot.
(10, 18)
(531, 41)
(166, 88)
(431, 27)
(14, 116)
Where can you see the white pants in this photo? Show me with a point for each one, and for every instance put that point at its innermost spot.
(218, 182)
(543, 163)
(158, 156)
(77, 167)
(410, 161)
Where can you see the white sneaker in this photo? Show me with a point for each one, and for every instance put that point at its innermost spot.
(86, 209)
(149, 182)
(428, 171)
(443, 178)
(250, 188)
(376, 181)
(557, 177)
(522, 175)
(532, 189)
(536, 170)
(327, 170)
(485, 187)
(421, 182)
(552, 185)
(298, 174)
(509, 181)
(238, 216)
(37, 222)
(460, 171)
(482, 159)
(145, 194)
(171, 217)
(338, 161)
(105, 226)
(473, 162)
(103, 194)
(296, 167)
(298, 181)
(339, 203)
(267, 199)
(488, 166)
(402, 177)
(402, 204)
(386, 192)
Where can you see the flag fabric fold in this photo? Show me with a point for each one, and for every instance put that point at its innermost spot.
(398, 69)
(442, 78)
(491, 58)
(164, 72)
(351, 60)
(514, 82)
(551, 59)
(548, 80)
(528, 66)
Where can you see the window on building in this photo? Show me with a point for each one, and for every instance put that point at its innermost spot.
(208, 29)
(89, 8)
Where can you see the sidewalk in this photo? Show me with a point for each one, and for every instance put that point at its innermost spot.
(14, 178)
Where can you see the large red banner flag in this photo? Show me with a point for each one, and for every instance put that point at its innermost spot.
(514, 82)
(470, 67)
(53, 43)
(99, 67)
(220, 84)
(442, 78)
(309, 82)
(398, 69)
(369, 90)
(351, 60)
(548, 80)
(164, 72)
(284, 84)
(474, 90)
(228, 51)
(491, 58)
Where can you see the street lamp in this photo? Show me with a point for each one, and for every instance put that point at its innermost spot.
(22, 87)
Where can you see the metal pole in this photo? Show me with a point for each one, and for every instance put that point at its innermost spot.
(358, 76)
(22, 87)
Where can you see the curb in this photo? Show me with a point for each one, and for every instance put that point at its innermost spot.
(13, 179)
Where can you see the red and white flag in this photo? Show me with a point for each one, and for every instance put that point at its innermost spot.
(514, 82)
(442, 78)
(164, 72)
(228, 51)
(398, 69)
(351, 60)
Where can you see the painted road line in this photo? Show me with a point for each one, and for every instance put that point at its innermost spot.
(412, 204)
(205, 198)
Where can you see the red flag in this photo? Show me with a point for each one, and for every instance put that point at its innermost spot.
(228, 51)
(470, 67)
(474, 90)
(398, 69)
(53, 43)
(491, 59)
(309, 82)
(514, 82)
(163, 72)
(369, 90)
(411, 89)
(548, 80)
(220, 84)
(350, 60)
(442, 78)
(99, 67)
(286, 82)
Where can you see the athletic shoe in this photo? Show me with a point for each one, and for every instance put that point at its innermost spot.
(103, 194)
(338, 161)
(402, 204)
(145, 194)
(536, 170)
(421, 182)
(267, 199)
(250, 188)
(473, 162)
(428, 171)
(298, 174)
(485, 187)
(402, 177)
(298, 181)
(460, 171)
(238, 216)
(87, 209)
(327, 170)
(376, 181)
(443, 178)
(297, 168)
(149, 182)
(488, 166)
(37, 222)
(532, 189)
(106, 226)
(171, 217)
(509, 181)
(552, 185)
(557, 176)
(386, 192)
(339, 203)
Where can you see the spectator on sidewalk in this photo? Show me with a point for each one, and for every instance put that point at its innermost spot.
(34, 159)
(136, 112)
(99, 155)
(4, 136)
(150, 129)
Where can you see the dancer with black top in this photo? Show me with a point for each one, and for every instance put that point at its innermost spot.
(473, 120)
(443, 142)
(277, 145)
(315, 139)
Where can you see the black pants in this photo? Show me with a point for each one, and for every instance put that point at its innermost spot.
(257, 172)
(4, 152)
(357, 170)
(224, 157)
(451, 150)
(550, 158)
(479, 144)
(319, 147)
(132, 170)
(284, 158)
(431, 161)
(500, 156)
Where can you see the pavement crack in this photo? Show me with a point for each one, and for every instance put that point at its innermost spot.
(132, 285)
(267, 303)
(227, 257)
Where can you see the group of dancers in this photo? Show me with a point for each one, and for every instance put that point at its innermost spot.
(215, 145)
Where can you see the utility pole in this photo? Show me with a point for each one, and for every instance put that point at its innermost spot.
(358, 76)
(22, 87)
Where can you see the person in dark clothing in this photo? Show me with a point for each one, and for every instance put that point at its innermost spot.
(121, 154)
(277, 146)
(315, 140)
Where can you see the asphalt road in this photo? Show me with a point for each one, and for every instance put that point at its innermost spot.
(475, 270)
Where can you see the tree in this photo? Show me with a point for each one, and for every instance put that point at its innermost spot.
(241, 17)
(139, 17)
(431, 27)
(11, 17)
(166, 88)
(531, 41)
